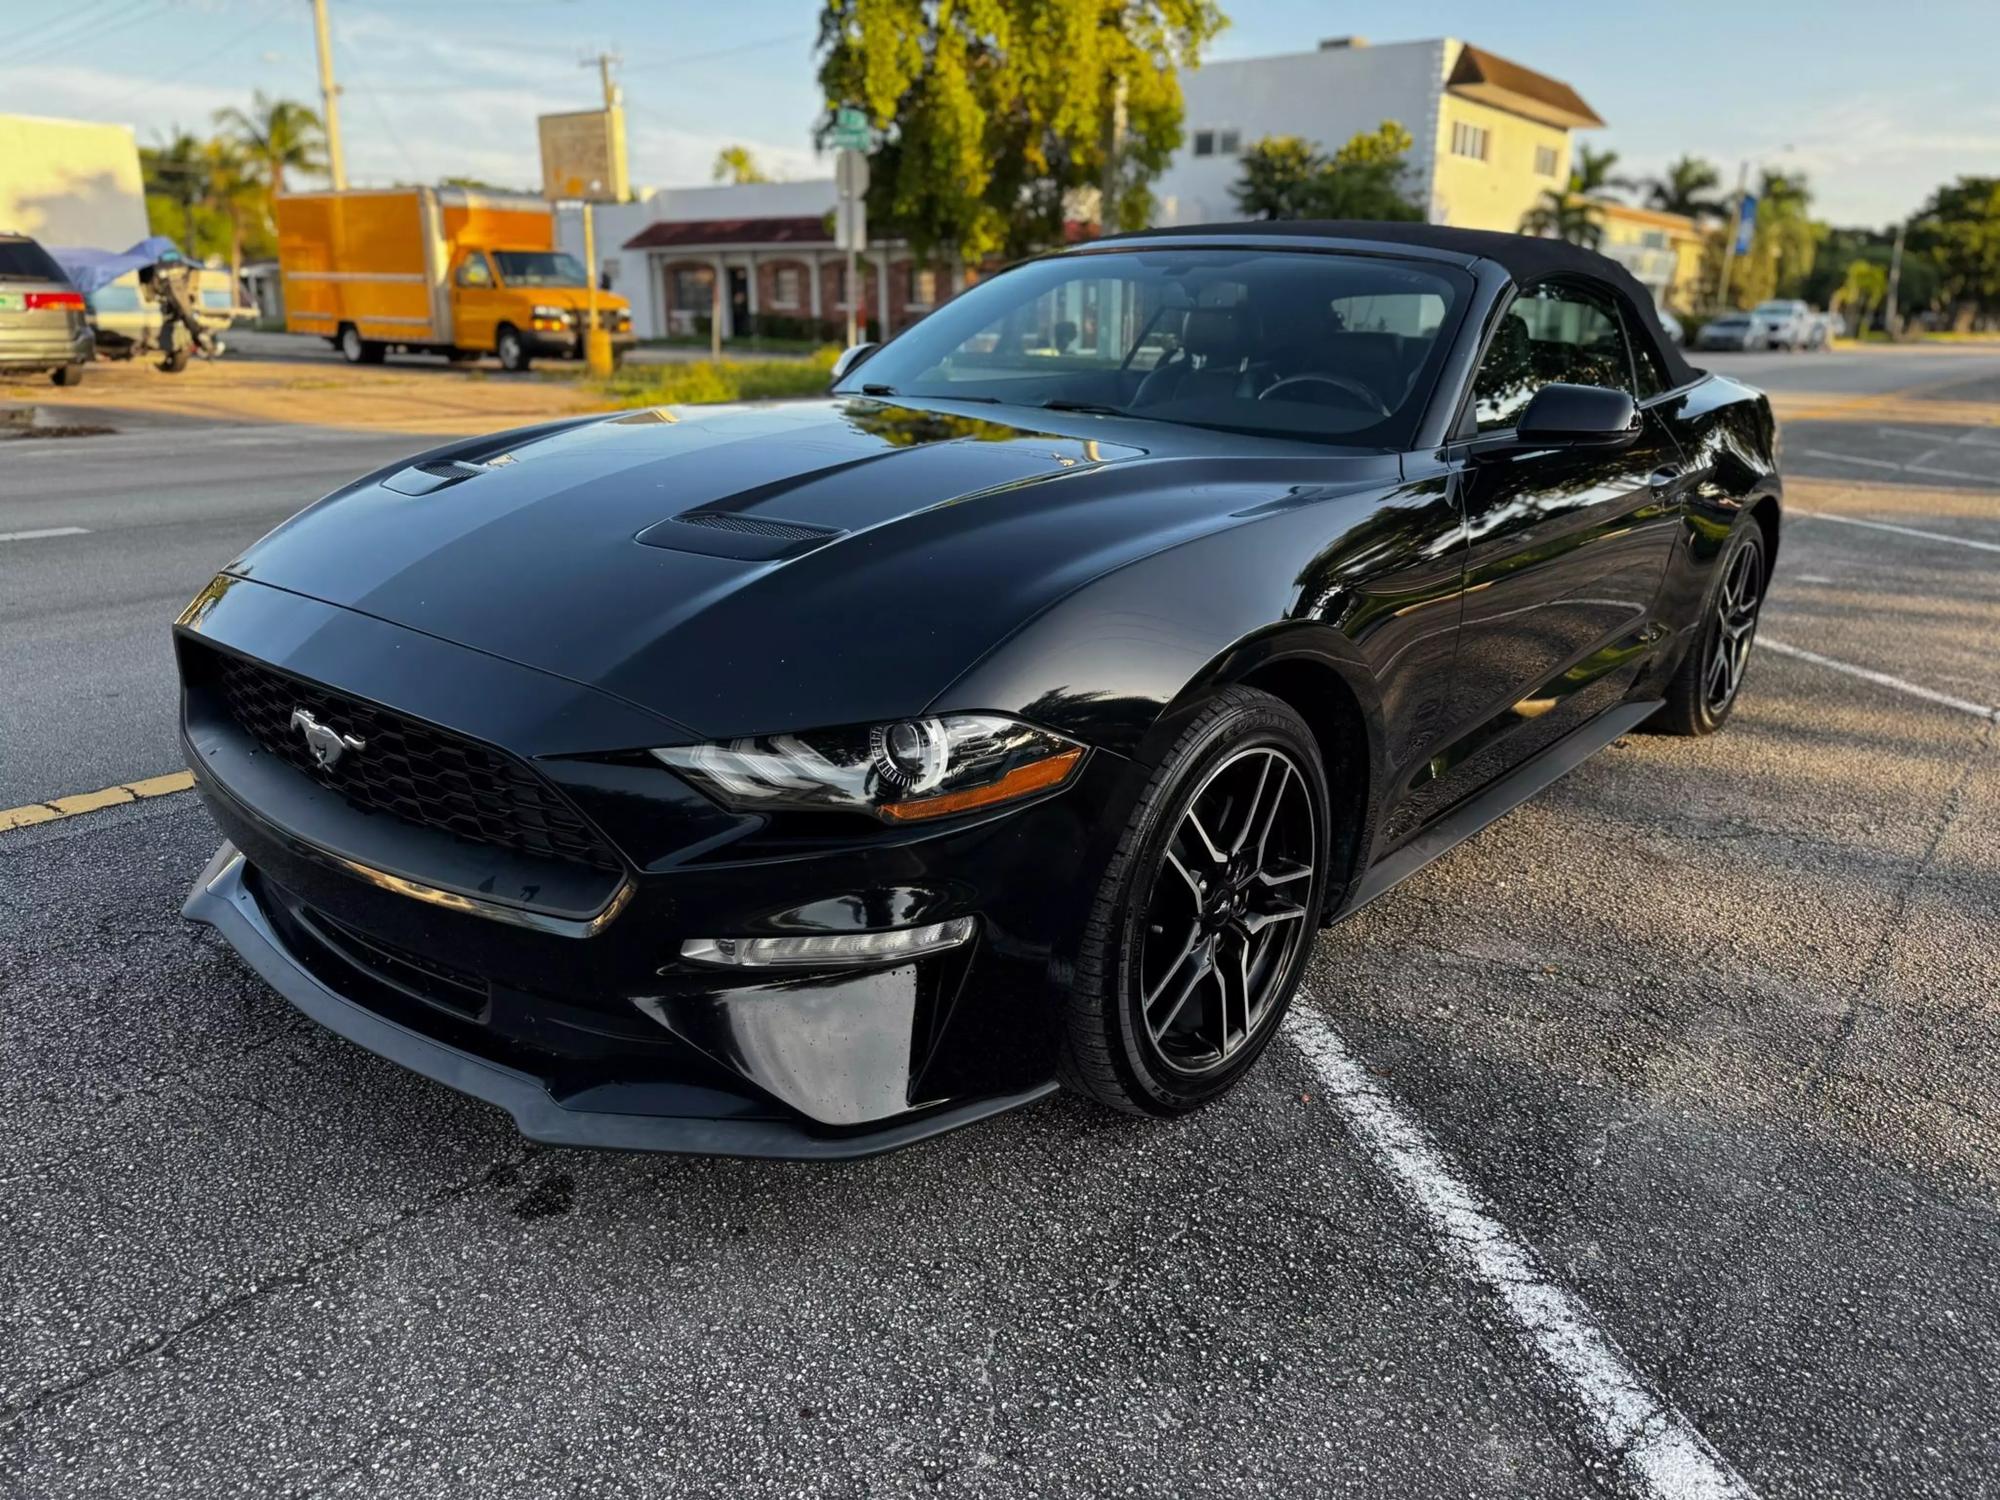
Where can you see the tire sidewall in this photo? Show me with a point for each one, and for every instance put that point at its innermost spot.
(1749, 535)
(511, 352)
(1263, 721)
(352, 348)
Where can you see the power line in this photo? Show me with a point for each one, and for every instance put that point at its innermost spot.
(70, 33)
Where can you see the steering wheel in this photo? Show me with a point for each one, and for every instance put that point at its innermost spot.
(1346, 385)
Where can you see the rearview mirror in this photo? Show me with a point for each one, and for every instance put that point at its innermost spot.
(851, 356)
(1578, 416)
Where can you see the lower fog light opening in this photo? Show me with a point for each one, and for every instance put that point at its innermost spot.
(830, 948)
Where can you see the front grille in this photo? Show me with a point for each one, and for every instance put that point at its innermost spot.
(408, 769)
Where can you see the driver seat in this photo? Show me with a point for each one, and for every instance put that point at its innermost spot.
(1214, 336)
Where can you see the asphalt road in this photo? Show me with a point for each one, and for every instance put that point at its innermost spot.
(1711, 1029)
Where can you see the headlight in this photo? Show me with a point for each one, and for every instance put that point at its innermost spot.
(899, 772)
(557, 313)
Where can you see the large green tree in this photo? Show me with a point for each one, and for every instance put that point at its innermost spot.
(1959, 230)
(998, 115)
(1567, 212)
(1285, 178)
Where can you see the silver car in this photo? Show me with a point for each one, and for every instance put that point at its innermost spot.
(42, 322)
(1732, 331)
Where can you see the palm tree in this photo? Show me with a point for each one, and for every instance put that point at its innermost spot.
(235, 189)
(1590, 173)
(176, 168)
(1684, 188)
(277, 136)
(1560, 215)
(738, 164)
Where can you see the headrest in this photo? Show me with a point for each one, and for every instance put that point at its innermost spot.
(1215, 333)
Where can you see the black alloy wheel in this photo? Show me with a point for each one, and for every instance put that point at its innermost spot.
(1706, 688)
(1206, 913)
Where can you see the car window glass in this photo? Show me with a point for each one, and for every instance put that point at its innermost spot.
(1552, 333)
(1331, 346)
(24, 260)
(475, 272)
(1651, 374)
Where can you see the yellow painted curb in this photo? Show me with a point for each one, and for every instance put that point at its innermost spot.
(83, 802)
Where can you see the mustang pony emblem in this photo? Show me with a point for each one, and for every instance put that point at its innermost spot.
(327, 744)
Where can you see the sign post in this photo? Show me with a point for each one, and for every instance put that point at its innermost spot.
(851, 139)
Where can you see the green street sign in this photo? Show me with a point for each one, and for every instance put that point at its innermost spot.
(850, 130)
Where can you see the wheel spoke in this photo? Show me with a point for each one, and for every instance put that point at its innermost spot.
(1193, 885)
(1203, 953)
(1250, 810)
(1208, 845)
(1283, 873)
(1257, 921)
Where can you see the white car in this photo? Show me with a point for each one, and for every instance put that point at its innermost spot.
(1736, 330)
(1786, 323)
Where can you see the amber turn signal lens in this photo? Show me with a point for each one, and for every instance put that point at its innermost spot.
(1040, 776)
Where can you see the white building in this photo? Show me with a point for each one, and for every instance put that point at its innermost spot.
(769, 245)
(72, 183)
(1490, 135)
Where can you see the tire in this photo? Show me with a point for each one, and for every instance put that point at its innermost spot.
(176, 360)
(1152, 936)
(1699, 699)
(66, 375)
(514, 356)
(356, 350)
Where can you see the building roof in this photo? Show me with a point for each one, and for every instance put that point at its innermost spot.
(801, 229)
(1676, 224)
(1490, 79)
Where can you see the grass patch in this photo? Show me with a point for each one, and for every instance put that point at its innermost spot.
(709, 381)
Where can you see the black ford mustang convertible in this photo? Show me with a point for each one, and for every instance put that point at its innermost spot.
(805, 780)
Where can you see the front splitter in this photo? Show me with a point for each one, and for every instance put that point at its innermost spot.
(223, 900)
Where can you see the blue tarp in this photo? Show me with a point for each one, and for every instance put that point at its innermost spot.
(90, 270)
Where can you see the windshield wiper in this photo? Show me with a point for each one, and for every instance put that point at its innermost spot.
(878, 389)
(1092, 408)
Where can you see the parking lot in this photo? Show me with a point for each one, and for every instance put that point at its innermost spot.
(1648, 1144)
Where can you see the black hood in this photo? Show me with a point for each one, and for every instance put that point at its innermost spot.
(741, 570)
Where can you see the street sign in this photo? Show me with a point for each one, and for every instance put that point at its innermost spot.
(1746, 224)
(850, 174)
(583, 155)
(850, 224)
(850, 130)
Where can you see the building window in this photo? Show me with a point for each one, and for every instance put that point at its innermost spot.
(1228, 142)
(1469, 140)
(1204, 143)
(1545, 161)
(923, 287)
(690, 289)
(785, 286)
(1654, 239)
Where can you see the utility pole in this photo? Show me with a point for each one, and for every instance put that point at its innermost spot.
(1735, 228)
(1889, 317)
(618, 188)
(329, 100)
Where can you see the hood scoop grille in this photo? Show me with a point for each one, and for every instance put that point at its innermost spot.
(725, 533)
(424, 478)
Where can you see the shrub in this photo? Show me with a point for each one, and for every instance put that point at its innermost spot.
(705, 382)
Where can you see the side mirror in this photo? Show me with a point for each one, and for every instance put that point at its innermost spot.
(1578, 416)
(851, 356)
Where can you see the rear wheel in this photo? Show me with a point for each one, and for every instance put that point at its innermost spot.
(512, 349)
(359, 351)
(67, 375)
(1705, 689)
(1205, 914)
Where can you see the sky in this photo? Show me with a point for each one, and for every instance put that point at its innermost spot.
(1876, 110)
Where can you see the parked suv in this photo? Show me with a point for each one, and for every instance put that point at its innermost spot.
(42, 323)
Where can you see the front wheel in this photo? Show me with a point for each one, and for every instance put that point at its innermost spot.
(1205, 914)
(513, 351)
(1705, 689)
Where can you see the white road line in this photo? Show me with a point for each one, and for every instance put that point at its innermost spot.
(1849, 458)
(1637, 1430)
(1929, 536)
(1881, 679)
(35, 536)
(1914, 468)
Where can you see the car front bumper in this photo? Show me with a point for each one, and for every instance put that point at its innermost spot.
(581, 1018)
(569, 345)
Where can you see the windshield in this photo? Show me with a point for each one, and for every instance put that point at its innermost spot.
(1294, 344)
(1778, 309)
(538, 268)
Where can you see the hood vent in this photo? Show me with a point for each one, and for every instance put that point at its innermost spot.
(422, 479)
(724, 533)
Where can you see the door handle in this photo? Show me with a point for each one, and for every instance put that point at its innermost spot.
(1661, 479)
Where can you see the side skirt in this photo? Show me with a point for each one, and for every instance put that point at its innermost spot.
(1499, 799)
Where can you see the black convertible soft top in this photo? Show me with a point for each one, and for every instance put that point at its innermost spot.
(1524, 257)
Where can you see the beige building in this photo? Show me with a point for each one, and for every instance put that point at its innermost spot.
(73, 183)
(1662, 251)
(1491, 136)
